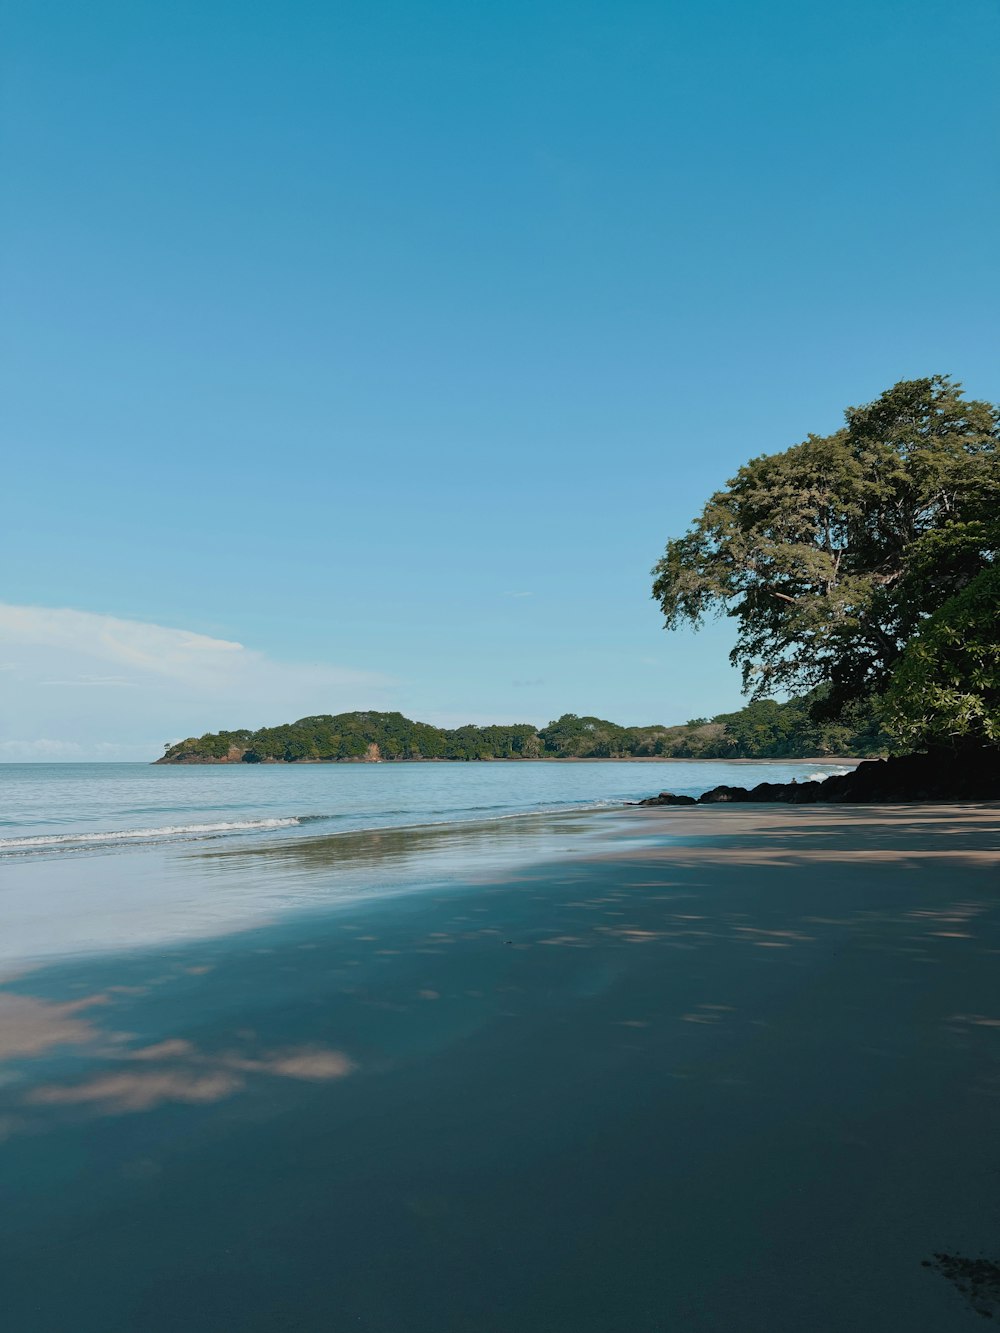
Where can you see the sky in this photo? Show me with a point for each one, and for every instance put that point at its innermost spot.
(366, 355)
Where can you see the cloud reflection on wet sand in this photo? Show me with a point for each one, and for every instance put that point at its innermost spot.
(174, 1069)
(116, 1093)
(30, 1026)
(200, 1077)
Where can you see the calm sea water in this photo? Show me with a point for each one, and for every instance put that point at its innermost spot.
(65, 809)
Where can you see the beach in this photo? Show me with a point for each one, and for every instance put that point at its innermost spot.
(705, 1069)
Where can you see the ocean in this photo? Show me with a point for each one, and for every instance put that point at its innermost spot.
(60, 809)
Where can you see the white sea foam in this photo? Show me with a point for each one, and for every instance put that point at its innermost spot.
(139, 834)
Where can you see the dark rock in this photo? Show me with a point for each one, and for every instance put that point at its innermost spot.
(719, 795)
(971, 775)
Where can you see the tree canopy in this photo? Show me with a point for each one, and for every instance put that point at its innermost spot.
(833, 555)
(947, 684)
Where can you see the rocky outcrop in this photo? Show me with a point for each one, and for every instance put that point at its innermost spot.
(969, 776)
(234, 755)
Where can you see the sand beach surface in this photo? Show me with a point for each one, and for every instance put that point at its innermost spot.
(702, 1069)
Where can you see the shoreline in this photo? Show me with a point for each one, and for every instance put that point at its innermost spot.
(511, 759)
(954, 829)
(141, 810)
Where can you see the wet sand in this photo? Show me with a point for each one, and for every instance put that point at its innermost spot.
(734, 1070)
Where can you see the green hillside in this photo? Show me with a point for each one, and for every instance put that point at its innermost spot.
(763, 730)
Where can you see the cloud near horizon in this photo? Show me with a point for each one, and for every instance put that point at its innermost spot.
(81, 685)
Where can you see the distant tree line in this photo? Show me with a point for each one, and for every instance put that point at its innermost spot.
(764, 729)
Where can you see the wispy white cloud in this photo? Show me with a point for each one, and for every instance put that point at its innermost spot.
(93, 680)
(145, 647)
(42, 749)
(86, 682)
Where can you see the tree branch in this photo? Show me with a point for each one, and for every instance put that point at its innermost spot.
(889, 645)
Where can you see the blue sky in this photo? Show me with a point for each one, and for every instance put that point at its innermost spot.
(392, 341)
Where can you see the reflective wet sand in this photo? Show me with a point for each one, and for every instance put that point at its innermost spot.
(729, 1070)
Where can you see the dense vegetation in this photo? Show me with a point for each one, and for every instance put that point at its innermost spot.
(862, 567)
(764, 729)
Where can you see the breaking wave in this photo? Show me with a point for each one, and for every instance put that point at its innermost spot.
(179, 833)
(144, 834)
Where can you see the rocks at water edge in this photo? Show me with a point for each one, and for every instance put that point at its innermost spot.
(973, 775)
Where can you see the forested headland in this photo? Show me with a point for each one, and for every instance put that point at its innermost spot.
(763, 730)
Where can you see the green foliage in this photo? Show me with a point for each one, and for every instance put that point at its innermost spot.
(830, 556)
(585, 738)
(766, 729)
(352, 736)
(214, 745)
(946, 689)
(762, 730)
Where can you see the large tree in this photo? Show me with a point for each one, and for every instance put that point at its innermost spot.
(946, 688)
(831, 555)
